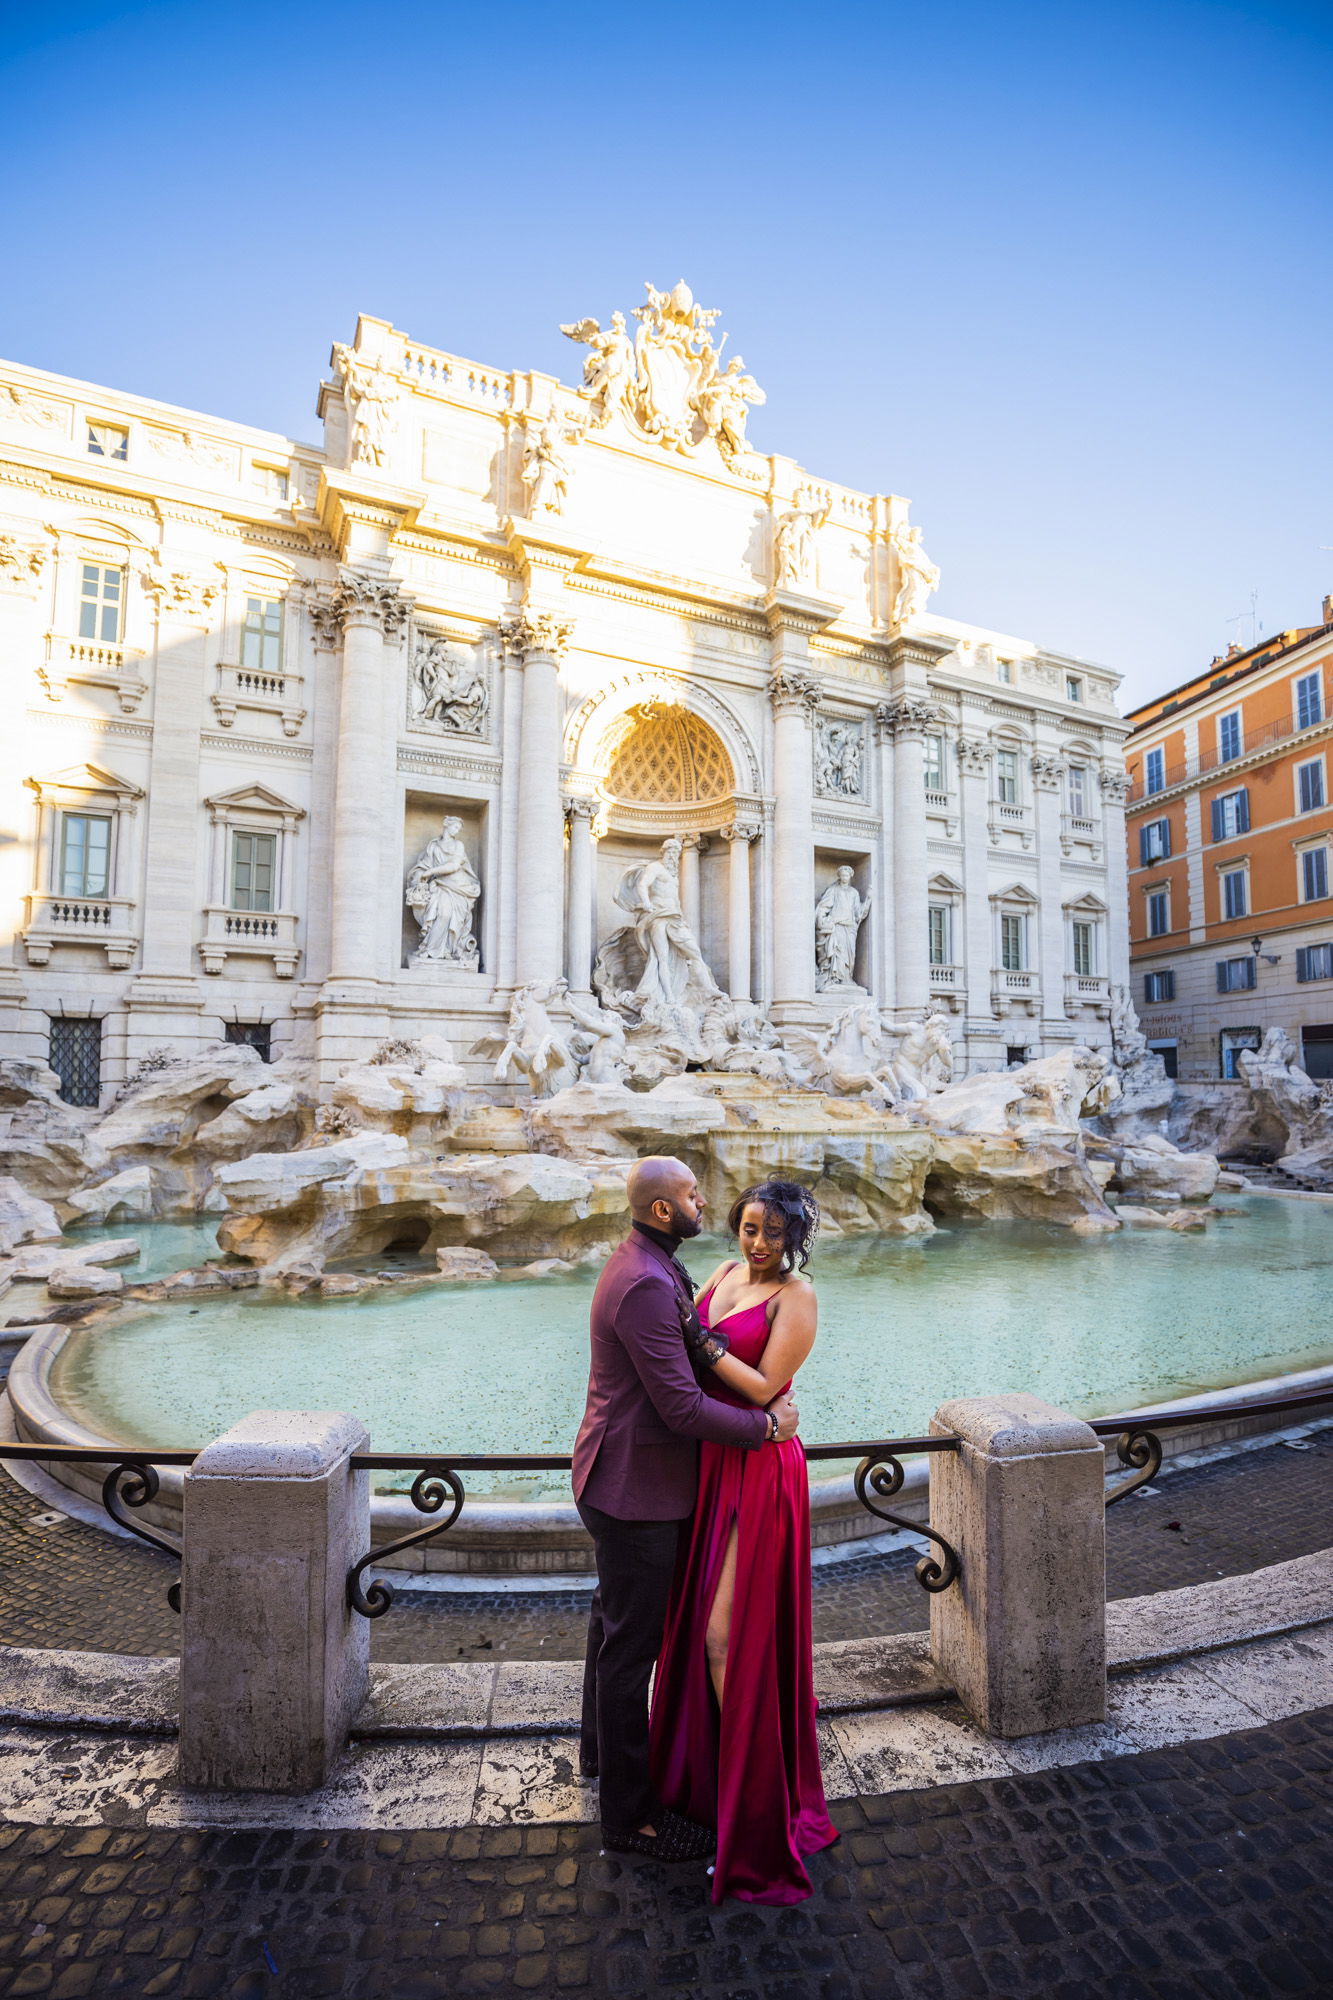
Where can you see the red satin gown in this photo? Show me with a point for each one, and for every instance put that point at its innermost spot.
(751, 1771)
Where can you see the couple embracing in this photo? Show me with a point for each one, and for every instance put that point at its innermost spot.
(689, 1477)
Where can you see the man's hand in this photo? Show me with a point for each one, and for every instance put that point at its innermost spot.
(784, 1409)
(701, 1345)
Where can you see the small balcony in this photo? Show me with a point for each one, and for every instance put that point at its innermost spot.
(948, 983)
(104, 921)
(279, 694)
(1014, 992)
(269, 934)
(1087, 993)
(93, 663)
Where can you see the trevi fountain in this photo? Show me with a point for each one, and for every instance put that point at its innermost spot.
(531, 779)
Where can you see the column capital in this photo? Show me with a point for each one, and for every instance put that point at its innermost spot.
(793, 692)
(585, 809)
(1115, 786)
(535, 633)
(1047, 773)
(362, 599)
(909, 716)
(973, 755)
(740, 829)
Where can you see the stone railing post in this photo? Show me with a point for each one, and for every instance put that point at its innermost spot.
(1021, 1636)
(273, 1663)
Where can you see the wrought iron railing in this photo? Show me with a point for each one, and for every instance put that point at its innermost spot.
(131, 1481)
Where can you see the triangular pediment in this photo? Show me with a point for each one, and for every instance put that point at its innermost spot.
(254, 799)
(944, 885)
(1087, 906)
(1017, 892)
(86, 778)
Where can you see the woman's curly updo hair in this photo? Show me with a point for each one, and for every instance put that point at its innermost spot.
(797, 1210)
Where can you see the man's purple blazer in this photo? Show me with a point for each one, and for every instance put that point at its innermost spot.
(635, 1456)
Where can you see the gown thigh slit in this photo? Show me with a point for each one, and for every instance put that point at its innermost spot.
(750, 1765)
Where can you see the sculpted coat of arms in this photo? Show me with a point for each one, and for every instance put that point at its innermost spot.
(669, 380)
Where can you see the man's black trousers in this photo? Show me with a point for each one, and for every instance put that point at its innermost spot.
(635, 1561)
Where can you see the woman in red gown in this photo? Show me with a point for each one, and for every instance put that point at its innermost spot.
(733, 1719)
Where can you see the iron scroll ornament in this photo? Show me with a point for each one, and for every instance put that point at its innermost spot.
(1142, 1450)
(134, 1483)
(883, 1475)
(433, 1485)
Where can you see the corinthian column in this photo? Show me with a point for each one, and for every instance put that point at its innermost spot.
(1115, 789)
(975, 948)
(739, 835)
(907, 720)
(1047, 780)
(373, 611)
(691, 846)
(580, 814)
(794, 697)
(540, 640)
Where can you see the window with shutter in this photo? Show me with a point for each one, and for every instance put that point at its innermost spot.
(1310, 786)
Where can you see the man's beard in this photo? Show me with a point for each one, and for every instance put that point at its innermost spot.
(683, 1225)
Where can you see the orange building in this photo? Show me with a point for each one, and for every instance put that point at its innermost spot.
(1230, 876)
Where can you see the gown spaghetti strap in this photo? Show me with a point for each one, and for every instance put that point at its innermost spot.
(752, 1770)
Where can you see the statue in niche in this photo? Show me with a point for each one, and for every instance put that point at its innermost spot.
(371, 391)
(449, 688)
(533, 1047)
(545, 469)
(918, 576)
(839, 915)
(608, 372)
(442, 892)
(794, 541)
(655, 958)
(839, 750)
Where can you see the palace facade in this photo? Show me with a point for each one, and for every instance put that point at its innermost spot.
(249, 682)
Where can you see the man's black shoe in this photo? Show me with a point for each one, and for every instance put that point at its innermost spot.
(587, 1767)
(676, 1839)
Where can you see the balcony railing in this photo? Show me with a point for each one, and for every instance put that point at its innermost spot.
(107, 921)
(250, 934)
(1010, 990)
(93, 663)
(1086, 990)
(279, 694)
(1213, 760)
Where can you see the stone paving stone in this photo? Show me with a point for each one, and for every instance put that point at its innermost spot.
(72, 1586)
(1194, 1872)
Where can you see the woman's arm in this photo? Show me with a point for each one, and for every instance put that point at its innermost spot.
(791, 1335)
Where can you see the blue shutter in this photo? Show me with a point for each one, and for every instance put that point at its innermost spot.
(1217, 819)
(1243, 810)
(1222, 976)
(1144, 856)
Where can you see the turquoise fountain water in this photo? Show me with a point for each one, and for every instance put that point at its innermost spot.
(1097, 1326)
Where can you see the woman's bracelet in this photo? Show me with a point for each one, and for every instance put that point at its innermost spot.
(772, 1426)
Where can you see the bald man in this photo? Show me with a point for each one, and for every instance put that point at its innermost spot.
(636, 1470)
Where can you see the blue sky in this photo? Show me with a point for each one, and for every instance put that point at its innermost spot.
(1060, 273)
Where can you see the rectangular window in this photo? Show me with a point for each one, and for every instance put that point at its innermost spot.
(1235, 975)
(1228, 736)
(101, 598)
(1235, 901)
(1231, 814)
(1310, 785)
(935, 778)
(1309, 701)
(270, 481)
(253, 859)
(1233, 1041)
(1085, 953)
(1313, 961)
(1170, 1054)
(940, 941)
(1159, 986)
(1154, 841)
(85, 854)
(76, 1058)
(1073, 688)
(1314, 874)
(1004, 672)
(1154, 771)
(1006, 776)
(1159, 913)
(261, 635)
(1078, 791)
(256, 1035)
(108, 441)
(1012, 953)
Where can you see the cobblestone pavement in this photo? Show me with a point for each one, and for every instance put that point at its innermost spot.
(1194, 1873)
(72, 1586)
